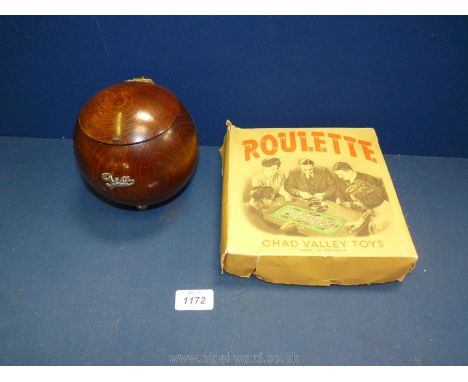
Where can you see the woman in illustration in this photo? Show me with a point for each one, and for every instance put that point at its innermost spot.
(260, 198)
(271, 176)
(377, 213)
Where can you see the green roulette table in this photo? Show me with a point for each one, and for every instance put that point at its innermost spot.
(298, 215)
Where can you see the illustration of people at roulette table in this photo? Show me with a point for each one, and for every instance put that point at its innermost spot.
(309, 201)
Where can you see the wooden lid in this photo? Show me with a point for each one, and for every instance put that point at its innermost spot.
(130, 112)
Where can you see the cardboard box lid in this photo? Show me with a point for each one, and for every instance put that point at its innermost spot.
(295, 242)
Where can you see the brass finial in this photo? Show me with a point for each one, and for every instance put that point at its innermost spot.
(141, 79)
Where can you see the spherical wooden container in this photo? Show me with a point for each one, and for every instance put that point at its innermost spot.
(135, 143)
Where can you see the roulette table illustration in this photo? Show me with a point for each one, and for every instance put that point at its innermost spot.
(309, 221)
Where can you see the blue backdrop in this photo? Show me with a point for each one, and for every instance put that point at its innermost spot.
(405, 76)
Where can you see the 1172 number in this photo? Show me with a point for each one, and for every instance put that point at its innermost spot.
(194, 300)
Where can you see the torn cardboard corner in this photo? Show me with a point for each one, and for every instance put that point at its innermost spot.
(311, 206)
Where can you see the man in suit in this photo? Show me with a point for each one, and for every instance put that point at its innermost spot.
(347, 177)
(310, 181)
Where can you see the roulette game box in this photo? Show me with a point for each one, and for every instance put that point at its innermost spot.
(311, 206)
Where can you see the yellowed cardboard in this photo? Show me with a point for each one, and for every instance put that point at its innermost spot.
(283, 239)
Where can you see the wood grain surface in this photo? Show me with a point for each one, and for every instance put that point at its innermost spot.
(129, 112)
(159, 166)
